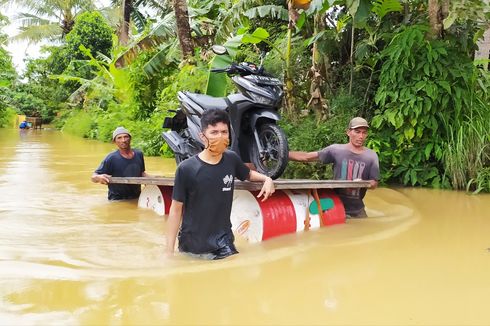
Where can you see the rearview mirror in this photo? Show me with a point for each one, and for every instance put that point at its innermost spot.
(219, 49)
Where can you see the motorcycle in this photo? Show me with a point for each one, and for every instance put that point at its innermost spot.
(253, 110)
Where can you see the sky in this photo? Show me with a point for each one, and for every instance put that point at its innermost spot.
(18, 50)
(23, 50)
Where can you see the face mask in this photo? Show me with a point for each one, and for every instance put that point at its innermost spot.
(217, 146)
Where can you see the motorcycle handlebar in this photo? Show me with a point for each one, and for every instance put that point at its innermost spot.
(239, 69)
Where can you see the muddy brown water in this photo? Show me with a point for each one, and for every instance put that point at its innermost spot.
(70, 257)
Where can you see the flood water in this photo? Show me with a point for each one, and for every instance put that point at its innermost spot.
(70, 257)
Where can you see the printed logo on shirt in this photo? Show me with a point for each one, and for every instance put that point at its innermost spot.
(352, 170)
(227, 180)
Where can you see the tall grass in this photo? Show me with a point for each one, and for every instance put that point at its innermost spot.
(467, 151)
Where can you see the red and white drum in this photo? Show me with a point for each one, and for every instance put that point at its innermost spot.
(157, 198)
(285, 212)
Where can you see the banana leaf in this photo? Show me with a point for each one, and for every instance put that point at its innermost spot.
(217, 81)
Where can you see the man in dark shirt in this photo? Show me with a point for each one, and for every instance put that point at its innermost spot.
(123, 162)
(203, 193)
(351, 161)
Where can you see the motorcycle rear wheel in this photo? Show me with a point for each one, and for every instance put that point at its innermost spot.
(274, 158)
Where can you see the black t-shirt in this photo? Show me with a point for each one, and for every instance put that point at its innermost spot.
(117, 166)
(206, 190)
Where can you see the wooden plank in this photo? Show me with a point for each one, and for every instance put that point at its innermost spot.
(247, 185)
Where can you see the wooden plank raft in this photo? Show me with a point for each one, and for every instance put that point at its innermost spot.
(254, 186)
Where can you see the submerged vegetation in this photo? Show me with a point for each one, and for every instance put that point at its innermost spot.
(409, 67)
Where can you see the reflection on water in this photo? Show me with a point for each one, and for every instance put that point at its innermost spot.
(70, 257)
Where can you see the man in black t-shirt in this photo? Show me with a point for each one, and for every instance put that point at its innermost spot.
(123, 162)
(203, 193)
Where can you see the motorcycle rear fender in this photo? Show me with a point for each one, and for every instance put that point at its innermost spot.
(188, 105)
(174, 141)
(263, 114)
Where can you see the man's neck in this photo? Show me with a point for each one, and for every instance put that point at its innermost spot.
(355, 149)
(128, 152)
(207, 157)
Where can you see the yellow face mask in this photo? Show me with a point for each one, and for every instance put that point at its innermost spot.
(218, 146)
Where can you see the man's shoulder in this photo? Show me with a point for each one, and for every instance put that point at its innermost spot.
(190, 163)
(228, 154)
(113, 154)
(369, 152)
(335, 147)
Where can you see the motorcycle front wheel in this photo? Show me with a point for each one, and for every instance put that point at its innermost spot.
(273, 159)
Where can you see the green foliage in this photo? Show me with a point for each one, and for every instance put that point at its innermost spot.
(7, 70)
(309, 135)
(146, 89)
(190, 78)
(467, 144)
(217, 82)
(47, 19)
(147, 135)
(7, 79)
(79, 123)
(481, 183)
(383, 7)
(39, 84)
(431, 79)
(93, 32)
(7, 117)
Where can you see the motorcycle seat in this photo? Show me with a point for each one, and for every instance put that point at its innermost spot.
(208, 102)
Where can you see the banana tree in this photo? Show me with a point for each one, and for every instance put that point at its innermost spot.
(109, 81)
(207, 26)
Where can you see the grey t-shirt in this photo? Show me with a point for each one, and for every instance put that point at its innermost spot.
(350, 166)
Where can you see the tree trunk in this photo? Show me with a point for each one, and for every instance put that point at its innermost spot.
(183, 28)
(288, 79)
(435, 22)
(351, 59)
(127, 9)
(483, 52)
(317, 102)
(438, 11)
(67, 23)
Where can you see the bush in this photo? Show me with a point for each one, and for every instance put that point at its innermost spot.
(7, 117)
(79, 123)
(92, 31)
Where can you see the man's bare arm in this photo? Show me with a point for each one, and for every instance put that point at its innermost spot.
(303, 156)
(100, 178)
(268, 187)
(173, 224)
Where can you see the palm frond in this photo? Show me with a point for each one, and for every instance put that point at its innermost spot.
(164, 30)
(272, 11)
(158, 61)
(139, 20)
(27, 19)
(112, 15)
(37, 33)
(383, 7)
(230, 18)
(163, 7)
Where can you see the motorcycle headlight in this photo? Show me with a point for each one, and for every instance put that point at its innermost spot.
(260, 99)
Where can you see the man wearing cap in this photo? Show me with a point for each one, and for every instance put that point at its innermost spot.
(123, 162)
(351, 161)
